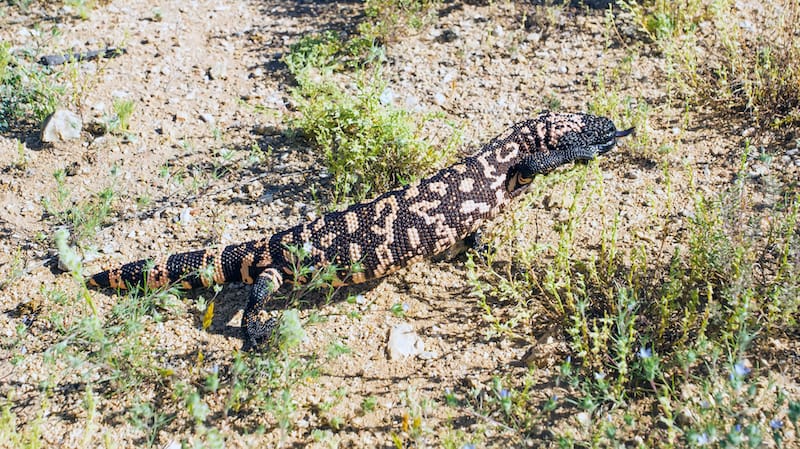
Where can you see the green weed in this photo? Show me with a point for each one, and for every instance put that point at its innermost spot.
(27, 93)
(643, 332)
(368, 146)
(81, 8)
(20, 434)
(714, 55)
(120, 121)
(388, 17)
(83, 217)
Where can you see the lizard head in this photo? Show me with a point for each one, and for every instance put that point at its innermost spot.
(577, 137)
(556, 139)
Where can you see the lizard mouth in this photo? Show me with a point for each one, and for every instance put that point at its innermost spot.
(608, 145)
(605, 147)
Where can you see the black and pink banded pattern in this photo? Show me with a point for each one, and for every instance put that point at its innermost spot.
(392, 231)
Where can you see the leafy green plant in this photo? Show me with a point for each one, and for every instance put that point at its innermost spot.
(368, 146)
(387, 17)
(83, 217)
(26, 94)
(119, 122)
(642, 331)
(732, 64)
(81, 8)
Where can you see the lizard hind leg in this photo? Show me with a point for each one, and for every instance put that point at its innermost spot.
(258, 321)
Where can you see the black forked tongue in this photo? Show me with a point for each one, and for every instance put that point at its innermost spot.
(619, 134)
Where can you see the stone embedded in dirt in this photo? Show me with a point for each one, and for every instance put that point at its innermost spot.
(632, 174)
(404, 342)
(207, 118)
(428, 355)
(266, 129)
(61, 125)
(218, 71)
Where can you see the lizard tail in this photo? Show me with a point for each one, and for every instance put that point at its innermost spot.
(192, 269)
(186, 268)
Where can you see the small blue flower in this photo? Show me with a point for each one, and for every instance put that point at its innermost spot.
(738, 427)
(740, 369)
(599, 375)
(776, 424)
(702, 439)
(307, 247)
(504, 394)
(468, 446)
(645, 353)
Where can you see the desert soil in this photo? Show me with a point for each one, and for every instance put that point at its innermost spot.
(206, 77)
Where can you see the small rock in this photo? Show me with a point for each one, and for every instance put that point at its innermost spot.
(533, 37)
(404, 342)
(266, 129)
(412, 103)
(584, 419)
(447, 36)
(685, 417)
(428, 355)
(61, 125)
(181, 116)
(747, 26)
(758, 170)
(218, 71)
(185, 217)
(254, 190)
(206, 117)
(632, 174)
(387, 96)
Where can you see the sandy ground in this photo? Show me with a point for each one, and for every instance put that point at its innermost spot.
(206, 77)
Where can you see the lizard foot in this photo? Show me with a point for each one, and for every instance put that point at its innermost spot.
(259, 323)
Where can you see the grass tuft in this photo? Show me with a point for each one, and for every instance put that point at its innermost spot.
(27, 93)
(368, 145)
(715, 55)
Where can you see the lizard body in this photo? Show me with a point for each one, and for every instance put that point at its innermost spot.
(392, 231)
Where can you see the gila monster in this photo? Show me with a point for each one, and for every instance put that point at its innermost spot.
(390, 232)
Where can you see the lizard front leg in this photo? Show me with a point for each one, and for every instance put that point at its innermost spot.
(258, 323)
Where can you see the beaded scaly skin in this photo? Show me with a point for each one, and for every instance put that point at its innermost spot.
(390, 232)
